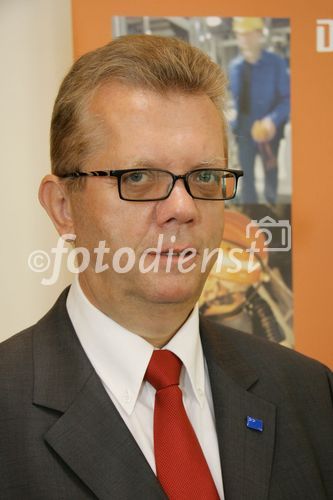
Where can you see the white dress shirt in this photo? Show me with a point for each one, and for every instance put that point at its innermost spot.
(120, 358)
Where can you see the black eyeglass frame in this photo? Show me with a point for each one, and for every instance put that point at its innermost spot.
(119, 173)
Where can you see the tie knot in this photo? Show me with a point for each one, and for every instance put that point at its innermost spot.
(163, 369)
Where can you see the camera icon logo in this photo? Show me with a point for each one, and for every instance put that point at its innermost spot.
(277, 234)
(324, 35)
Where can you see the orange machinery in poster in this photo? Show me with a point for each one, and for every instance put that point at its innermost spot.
(312, 155)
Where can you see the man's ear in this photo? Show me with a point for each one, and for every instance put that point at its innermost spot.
(54, 197)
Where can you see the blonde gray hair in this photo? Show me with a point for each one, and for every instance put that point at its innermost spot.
(156, 63)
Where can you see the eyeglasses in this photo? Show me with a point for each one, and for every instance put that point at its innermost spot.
(150, 184)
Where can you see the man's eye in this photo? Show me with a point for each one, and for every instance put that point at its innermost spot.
(206, 177)
(136, 177)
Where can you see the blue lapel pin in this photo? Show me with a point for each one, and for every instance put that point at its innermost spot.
(254, 423)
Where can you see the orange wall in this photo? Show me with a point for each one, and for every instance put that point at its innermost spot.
(312, 114)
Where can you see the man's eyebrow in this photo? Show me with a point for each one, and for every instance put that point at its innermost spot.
(218, 162)
(142, 163)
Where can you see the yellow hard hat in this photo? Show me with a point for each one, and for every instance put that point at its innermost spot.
(247, 24)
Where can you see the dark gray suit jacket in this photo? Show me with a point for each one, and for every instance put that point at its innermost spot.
(62, 438)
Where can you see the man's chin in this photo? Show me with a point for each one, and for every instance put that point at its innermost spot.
(174, 289)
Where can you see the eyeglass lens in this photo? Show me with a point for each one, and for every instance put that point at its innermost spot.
(156, 184)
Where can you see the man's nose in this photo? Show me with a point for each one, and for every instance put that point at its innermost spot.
(178, 208)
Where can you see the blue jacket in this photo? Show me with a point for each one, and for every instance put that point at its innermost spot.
(270, 88)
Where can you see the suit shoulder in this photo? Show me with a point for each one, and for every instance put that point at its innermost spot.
(16, 374)
(17, 345)
(16, 356)
(275, 350)
(265, 355)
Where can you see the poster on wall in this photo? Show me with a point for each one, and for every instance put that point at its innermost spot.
(279, 225)
(249, 288)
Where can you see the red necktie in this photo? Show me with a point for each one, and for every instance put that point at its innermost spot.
(180, 463)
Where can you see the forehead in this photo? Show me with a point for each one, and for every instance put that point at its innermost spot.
(115, 97)
(142, 122)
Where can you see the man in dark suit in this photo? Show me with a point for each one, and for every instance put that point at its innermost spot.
(121, 391)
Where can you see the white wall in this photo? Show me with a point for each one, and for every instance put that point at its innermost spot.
(35, 53)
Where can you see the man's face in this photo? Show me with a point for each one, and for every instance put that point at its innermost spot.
(249, 42)
(173, 132)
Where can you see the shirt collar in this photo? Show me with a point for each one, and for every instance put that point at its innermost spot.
(120, 358)
(186, 344)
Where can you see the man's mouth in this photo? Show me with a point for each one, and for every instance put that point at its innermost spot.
(172, 252)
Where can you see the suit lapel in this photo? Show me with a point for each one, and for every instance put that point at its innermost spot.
(246, 454)
(95, 443)
(89, 436)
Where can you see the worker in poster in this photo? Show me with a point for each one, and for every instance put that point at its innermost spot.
(259, 82)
